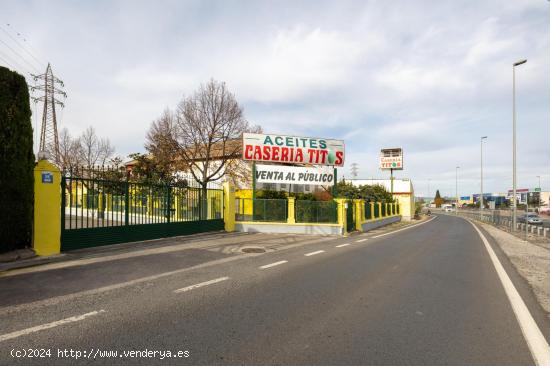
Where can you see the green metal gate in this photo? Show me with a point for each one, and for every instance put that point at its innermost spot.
(99, 209)
(350, 216)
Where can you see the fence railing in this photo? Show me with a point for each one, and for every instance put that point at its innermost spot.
(260, 209)
(504, 221)
(92, 202)
(316, 211)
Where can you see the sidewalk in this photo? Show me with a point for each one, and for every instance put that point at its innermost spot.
(532, 262)
(221, 242)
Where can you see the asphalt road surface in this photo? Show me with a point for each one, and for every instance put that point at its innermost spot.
(426, 295)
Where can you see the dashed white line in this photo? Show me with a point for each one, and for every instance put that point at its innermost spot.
(313, 253)
(192, 287)
(342, 245)
(72, 319)
(540, 350)
(273, 264)
(361, 240)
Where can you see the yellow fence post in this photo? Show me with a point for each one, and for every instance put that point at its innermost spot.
(47, 209)
(371, 211)
(359, 214)
(291, 219)
(229, 206)
(379, 209)
(341, 210)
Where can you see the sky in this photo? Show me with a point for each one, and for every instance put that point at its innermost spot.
(431, 77)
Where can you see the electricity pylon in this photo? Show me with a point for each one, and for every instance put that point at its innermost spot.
(49, 142)
(354, 170)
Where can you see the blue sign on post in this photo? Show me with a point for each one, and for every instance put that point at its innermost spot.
(47, 177)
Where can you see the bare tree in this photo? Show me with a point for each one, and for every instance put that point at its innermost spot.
(162, 146)
(209, 124)
(94, 150)
(69, 150)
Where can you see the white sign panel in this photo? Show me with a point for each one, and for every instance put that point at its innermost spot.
(294, 175)
(391, 159)
(293, 149)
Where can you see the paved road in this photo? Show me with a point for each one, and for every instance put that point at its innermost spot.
(427, 295)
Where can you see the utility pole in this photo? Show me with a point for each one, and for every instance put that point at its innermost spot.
(481, 195)
(514, 199)
(540, 192)
(49, 142)
(456, 188)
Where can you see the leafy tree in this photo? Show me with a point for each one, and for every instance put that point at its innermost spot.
(16, 162)
(370, 193)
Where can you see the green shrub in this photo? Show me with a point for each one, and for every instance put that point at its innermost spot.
(16, 162)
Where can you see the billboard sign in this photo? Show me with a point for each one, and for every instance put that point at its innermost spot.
(292, 149)
(319, 175)
(391, 159)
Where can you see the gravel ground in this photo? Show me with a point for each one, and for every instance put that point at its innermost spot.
(532, 261)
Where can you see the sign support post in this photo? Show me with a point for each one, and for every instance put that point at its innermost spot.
(334, 188)
(253, 187)
(391, 180)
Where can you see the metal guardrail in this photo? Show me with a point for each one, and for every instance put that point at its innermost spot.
(495, 218)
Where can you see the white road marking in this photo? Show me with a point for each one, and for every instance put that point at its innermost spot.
(405, 228)
(361, 240)
(313, 253)
(273, 264)
(342, 245)
(58, 299)
(38, 328)
(192, 287)
(540, 350)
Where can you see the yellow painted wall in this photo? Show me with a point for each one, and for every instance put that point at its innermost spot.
(47, 209)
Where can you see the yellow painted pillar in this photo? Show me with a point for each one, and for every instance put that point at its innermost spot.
(371, 211)
(341, 210)
(229, 206)
(109, 201)
(47, 209)
(379, 209)
(291, 219)
(359, 214)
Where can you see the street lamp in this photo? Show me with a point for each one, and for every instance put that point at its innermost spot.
(481, 196)
(540, 192)
(514, 208)
(456, 188)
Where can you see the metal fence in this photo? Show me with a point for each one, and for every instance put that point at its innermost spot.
(96, 210)
(89, 203)
(260, 209)
(316, 211)
(503, 220)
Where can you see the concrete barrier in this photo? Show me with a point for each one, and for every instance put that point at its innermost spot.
(285, 228)
(373, 224)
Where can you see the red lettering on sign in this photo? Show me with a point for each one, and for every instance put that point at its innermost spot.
(284, 154)
(266, 153)
(323, 156)
(275, 153)
(299, 156)
(257, 153)
(248, 152)
(339, 157)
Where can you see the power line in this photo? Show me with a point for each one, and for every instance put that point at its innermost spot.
(23, 58)
(14, 64)
(40, 63)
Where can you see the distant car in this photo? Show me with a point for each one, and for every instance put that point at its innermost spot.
(531, 219)
(448, 209)
(545, 212)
